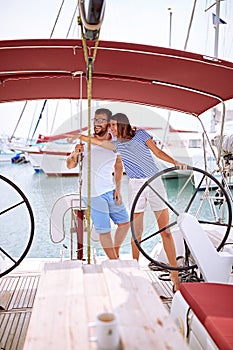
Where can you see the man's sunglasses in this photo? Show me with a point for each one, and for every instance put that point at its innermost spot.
(100, 120)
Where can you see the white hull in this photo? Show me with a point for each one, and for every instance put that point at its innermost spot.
(55, 164)
(6, 157)
(51, 158)
(52, 164)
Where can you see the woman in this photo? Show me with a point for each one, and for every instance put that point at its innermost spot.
(135, 148)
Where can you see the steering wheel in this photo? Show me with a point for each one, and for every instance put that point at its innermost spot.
(208, 201)
(16, 226)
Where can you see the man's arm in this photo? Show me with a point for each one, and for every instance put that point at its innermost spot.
(118, 172)
(73, 159)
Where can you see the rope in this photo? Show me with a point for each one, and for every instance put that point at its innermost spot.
(89, 66)
(80, 155)
(89, 94)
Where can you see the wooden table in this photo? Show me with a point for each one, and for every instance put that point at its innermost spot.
(71, 294)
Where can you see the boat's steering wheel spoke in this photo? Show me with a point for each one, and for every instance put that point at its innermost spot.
(17, 226)
(7, 255)
(11, 207)
(194, 195)
(162, 199)
(157, 232)
(202, 201)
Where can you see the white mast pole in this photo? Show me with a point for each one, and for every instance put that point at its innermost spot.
(217, 29)
(169, 112)
(216, 37)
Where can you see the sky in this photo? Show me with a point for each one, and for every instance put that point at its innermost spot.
(146, 22)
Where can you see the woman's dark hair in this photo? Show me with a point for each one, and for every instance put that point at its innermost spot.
(124, 129)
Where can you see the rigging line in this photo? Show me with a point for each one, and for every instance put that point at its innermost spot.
(73, 17)
(30, 129)
(190, 24)
(20, 117)
(40, 116)
(59, 12)
(45, 101)
(25, 104)
(54, 118)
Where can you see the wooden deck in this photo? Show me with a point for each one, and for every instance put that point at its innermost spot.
(17, 294)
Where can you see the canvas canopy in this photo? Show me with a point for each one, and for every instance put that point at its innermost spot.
(154, 76)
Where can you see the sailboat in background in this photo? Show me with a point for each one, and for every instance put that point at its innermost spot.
(45, 155)
(51, 156)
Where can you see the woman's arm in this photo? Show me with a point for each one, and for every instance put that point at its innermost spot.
(103, 143)
(163, 155)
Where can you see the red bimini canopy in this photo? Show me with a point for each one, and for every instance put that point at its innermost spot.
(154, 76)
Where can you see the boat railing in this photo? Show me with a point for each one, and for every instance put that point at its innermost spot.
(73, 204)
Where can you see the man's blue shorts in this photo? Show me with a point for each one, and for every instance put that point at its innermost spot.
(104, 208)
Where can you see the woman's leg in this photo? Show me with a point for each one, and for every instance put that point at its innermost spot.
(162, 217)
(138, 228)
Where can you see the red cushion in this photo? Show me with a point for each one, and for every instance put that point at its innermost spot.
(222, 330)
(212, 303)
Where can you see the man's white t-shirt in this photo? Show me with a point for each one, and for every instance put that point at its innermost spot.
(102, 167)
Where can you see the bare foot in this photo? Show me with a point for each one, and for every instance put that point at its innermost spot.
(175, 280)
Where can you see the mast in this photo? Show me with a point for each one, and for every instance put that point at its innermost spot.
(169, 112)
(217, 29)
(216, 40)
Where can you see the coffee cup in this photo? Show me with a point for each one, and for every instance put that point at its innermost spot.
(107, 332)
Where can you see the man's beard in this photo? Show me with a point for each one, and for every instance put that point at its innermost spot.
(100, 131)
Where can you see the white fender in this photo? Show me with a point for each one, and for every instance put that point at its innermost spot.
(61, 206)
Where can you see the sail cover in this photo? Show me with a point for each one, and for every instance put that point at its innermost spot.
(127, 72)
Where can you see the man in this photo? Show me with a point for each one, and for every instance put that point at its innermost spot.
(106, 199)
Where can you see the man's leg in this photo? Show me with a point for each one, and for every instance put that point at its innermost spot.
(119, 215)
(120, 236)
(101, 220)
(108, 246)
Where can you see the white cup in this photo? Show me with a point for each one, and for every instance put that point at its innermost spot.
(107, 331)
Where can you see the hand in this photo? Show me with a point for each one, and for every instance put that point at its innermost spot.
(117, 197)
(79, 148)
(71, 137)
(182, 166)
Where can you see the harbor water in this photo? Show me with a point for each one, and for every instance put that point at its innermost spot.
(42, 192)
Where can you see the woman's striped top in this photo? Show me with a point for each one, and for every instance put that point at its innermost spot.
(136, 156)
